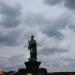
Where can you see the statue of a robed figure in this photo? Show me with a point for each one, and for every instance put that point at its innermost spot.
(32, 46)
(32, 65)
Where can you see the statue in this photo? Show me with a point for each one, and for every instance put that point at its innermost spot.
(32, 46)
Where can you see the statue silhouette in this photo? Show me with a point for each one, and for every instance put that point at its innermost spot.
(32, 46)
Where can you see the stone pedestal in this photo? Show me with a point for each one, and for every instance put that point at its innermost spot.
(32, 67)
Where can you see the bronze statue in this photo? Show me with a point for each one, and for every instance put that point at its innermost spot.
(32, 46)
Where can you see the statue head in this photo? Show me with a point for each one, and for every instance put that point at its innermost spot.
(32, 36)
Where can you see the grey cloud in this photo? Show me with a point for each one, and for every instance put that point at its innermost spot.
(14, 68)
(72, 27)
(10, 15)
(54, 33)
(54, 29)
(11, 63)
(50, 51)
(17, 59)
(67, 3)
(72, 64)
(52, 2)
(47, 26)
(3, 62)
(70, 4)
(33, 19)
(10, 38)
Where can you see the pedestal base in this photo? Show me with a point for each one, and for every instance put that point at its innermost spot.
(32, 67)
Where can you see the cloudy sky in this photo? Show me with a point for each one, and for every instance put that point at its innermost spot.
(53, 24)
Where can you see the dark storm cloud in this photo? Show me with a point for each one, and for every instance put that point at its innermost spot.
(48, 26)
(50, 51)
(9, 20)
(54, 33)
(53, 29)
(70, 4)
(10, 38)
(53, 2)
(67, 3)
(72, 27)
(10, 15)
